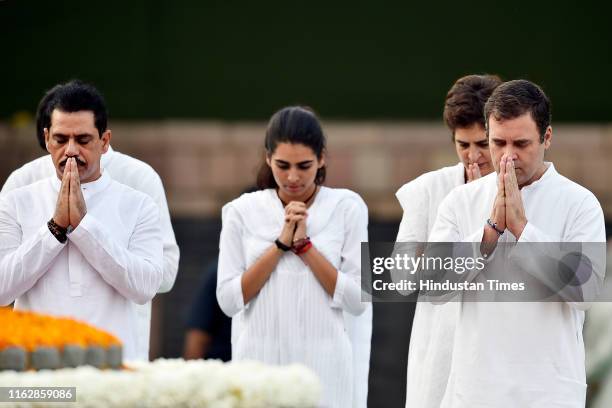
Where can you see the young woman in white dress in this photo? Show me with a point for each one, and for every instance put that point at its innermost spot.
(289, 261)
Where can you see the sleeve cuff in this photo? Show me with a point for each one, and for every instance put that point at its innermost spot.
(336, 300)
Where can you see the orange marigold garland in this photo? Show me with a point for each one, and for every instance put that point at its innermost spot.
(31, 340)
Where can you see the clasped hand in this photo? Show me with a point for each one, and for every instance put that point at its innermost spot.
(295, 223)
(508, 211)
(70, 208)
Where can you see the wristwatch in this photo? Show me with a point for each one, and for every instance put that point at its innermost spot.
(58, 232)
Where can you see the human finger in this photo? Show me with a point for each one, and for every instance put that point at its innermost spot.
(501, 184)
(75, 173)
(476, 172)
(297, 218)
(510, 186)
(296, 210)
(514, 179)
(65, 187)
(296, 205)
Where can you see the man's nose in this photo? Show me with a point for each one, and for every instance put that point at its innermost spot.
(510, 152)
(72, 148)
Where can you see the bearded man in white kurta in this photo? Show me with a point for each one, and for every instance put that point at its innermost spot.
(518, 354)
(433, 327)
(88, 251)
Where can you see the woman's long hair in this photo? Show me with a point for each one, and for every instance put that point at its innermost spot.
(295, 125)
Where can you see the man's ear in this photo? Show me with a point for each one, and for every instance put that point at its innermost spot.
(106, 138)
(547, 138)
(46, 133)
(268, 161)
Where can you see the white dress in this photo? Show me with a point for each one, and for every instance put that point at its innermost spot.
(433, 327)
(528, 354)
(292, 319)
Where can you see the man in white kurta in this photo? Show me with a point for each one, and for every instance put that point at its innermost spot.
(433, 327)
(519, 354)
(139, 176)
(126, 170)
(78, 243)
(111, 261)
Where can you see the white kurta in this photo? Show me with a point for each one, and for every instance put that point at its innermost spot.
(110, 262)
(138, 175)
(433, 327)
(292, 319)
(520, 354)
(359, 329)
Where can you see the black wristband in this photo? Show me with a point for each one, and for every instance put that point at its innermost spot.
(282, 246)
(58, 232)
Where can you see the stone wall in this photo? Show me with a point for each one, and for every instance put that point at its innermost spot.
(205, 164)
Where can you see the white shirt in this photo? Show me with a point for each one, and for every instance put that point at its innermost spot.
(292, 319)
(433, 327)
(520, 354)
(133, 173)
(111, 261)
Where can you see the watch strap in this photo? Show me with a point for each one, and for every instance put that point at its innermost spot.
(58, 232)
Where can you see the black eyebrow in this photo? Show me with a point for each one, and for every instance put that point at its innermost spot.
(476, 142)
(279, 161)
(82, 135)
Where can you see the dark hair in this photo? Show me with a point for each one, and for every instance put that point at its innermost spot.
(295, 125)
(72, 96)
(515, 98)
(465, 101)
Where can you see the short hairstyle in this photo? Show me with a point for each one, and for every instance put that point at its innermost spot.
(465, 101)
(72, 96)
(515, 98)
(295, 125)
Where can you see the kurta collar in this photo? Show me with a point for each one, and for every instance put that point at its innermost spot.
(550, 173)
(107, 157)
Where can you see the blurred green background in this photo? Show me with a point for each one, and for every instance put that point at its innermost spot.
(350, 60)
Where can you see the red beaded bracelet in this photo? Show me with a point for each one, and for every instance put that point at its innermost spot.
(300, 246)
